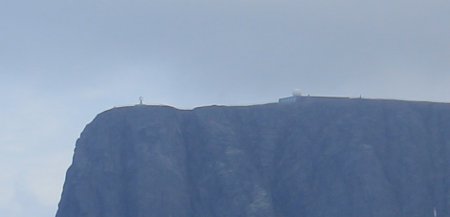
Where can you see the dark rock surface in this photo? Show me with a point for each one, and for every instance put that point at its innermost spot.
(316, 158)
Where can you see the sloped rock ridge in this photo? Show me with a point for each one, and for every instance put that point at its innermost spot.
(313, 158)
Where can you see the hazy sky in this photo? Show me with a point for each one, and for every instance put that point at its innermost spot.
(64, 61)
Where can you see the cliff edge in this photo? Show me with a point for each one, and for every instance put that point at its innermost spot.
(319, 157)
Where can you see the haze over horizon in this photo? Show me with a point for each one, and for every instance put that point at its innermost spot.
(63, 62)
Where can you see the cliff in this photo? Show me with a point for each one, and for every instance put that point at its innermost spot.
(320, 157)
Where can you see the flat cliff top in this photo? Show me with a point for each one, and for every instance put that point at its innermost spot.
(317, 157)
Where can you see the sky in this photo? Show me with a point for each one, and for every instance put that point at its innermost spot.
(64, 61)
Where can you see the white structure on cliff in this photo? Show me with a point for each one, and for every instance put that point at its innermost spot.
(296, 95)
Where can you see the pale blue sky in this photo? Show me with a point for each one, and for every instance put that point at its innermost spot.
(64, 61)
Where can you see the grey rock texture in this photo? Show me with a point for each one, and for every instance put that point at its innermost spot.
(320, 157)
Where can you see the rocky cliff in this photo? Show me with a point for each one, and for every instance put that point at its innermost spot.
(319, 157)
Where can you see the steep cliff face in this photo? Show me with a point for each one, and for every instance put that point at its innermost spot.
(314, 158)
